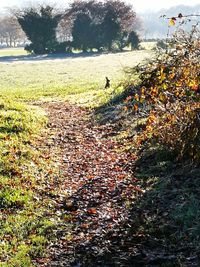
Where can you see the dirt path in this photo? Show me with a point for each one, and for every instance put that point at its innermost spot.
(100, 186)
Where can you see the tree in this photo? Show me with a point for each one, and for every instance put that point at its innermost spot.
(10, 31)
(133, 40)
(110, 28)
(40, 28)
(122, 40)
(169, 92)
(108, 22)
(64, 30)
(94, 12)
(94, 9)
(81, 32)
(124, 13)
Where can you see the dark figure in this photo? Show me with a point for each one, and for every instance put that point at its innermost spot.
(107, 83)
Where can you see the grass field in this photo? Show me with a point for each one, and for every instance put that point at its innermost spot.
(12, 52)
(80, 78)
(36, 77)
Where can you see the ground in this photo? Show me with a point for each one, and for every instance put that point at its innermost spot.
(72, 191)
(28, 170)
(94, 184)
(61, 75)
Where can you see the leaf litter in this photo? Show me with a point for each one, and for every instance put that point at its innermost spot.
(96, 196)
(95, 187)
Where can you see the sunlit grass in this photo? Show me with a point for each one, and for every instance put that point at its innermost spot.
(21, 222)
(61, 77)
(12, 52)
(148, 45)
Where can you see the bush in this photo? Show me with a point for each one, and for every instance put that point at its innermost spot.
(169, 95)
(188, 141)
(161, 44)
(39, 25)
(61, 47)
(29, 48)
(133, 40)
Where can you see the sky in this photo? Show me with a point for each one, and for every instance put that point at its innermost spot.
(140, 6)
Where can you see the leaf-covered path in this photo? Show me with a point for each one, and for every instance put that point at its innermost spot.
(95, 189)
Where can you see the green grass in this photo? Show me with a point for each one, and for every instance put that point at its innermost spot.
(148, 45)
(12, 52)
(22, 224)
(63, 77)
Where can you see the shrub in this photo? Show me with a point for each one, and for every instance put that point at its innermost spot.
(133, 40)
(39, 25)
(61, 47)
(169, 95)
(161, 44)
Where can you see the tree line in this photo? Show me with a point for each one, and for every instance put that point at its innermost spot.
(84, 25)
(11, 34)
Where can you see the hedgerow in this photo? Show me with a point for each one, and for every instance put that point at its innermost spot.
(168, 95)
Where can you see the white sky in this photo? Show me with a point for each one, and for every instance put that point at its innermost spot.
(139, 5)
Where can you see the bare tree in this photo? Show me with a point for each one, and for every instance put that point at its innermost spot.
(64, 30)
(11, 33)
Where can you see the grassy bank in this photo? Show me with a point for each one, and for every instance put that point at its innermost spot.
(23, 228)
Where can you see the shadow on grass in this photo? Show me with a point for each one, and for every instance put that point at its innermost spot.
(112, 111)
(115, 223)
(59, 56)
(161, 226)
(115, 100)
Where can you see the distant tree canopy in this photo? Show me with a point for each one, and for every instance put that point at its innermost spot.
(85, 25)
(81, 32)
(108, 23)
(11, 33)
(133, 39)
(40, 28)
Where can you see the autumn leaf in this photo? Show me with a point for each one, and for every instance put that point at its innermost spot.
(135, 107)
(162, 97)
(142, 90)
(172, 21)
(195, 87)
(128, 98)
(138, 189)
(92, 211)
(154, 91)
(149, 128)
